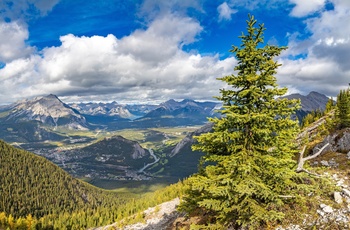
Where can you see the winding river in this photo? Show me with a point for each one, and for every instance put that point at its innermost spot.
(156, 159)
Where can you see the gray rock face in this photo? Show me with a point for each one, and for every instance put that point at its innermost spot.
(339, 142)
(189, 140)
(139, 152)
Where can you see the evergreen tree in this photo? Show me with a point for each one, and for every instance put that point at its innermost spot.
(343, 108)
(330, 105)
(248, 169)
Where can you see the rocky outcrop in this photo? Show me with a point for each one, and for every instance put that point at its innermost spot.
(160, 217)
(139, 152)
(189, 140)
(338, 142)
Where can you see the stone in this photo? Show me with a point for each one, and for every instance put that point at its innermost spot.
(325, 163)
(320, 212)
(326, 208)
(346, 192)
(340, 183)
(338, 198)
(333, 163)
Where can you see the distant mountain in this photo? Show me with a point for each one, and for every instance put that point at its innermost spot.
(30, 184)
(184, 111)
(311, 102)
(188, 105)
(48, 110)
(107, 109)
(140, 110)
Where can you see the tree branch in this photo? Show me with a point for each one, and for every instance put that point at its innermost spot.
(302, 159)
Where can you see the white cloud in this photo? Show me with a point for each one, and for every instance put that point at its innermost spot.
(12, 41)
(146, 64)
(161, 40)
(225, 11)
(325, 67)
(305, 7)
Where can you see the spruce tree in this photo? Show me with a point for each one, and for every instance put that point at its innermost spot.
(248, 171)
(343, 108)
(330, 105)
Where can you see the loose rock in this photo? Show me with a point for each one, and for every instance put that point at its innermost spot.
(326, 208)
(338, 198)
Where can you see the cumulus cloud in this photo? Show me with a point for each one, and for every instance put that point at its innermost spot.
(324, 67)
(225, 11)
(303, 8)
(148, 64)
(12, 41)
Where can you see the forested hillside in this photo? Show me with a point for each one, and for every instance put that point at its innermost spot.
(33, 185)
(37, 194)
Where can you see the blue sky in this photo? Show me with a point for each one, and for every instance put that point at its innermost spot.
(154, 50)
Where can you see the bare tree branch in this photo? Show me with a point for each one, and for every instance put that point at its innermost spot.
(302, 159)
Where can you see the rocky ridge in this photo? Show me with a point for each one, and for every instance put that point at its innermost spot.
(311, 102)
(106, 109)
(159, 217)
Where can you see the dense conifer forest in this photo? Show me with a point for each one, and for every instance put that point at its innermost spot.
(36, 194)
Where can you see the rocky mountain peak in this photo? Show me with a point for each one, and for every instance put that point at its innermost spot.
(311, 102)
(49, 110)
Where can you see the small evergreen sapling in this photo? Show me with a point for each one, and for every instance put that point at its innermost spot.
(248, 171)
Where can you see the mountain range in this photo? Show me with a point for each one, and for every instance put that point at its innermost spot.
(52, 112)
(37, 119)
